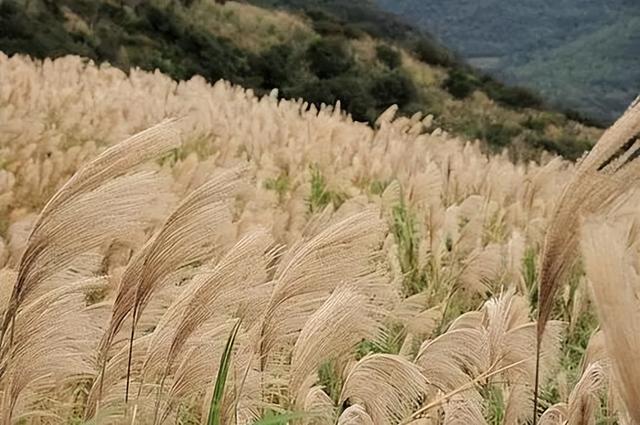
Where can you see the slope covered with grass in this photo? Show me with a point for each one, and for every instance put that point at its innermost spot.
(315, 55)
(343, 273)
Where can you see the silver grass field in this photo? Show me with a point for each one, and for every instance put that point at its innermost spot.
(185, 253)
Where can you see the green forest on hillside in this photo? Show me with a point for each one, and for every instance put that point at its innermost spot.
(359, 55)
(579, 54)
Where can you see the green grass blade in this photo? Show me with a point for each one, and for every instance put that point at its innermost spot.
(215, 415)
(280, 418)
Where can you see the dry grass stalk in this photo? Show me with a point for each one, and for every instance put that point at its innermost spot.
(614, 283)
(189, 236)
(90, 186)
(601, 178)
(388, 387)
(303, 280)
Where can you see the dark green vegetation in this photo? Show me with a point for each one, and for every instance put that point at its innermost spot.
(580, 54)
(153, 35)
(354, 18)
(147, 36)
(335, 50)
(351, 18)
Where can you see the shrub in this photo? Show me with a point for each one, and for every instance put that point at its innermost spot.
(583, 119)
(460, 84)
(329, 25)
(500, 135)
(327, 28)
(40, 35)
(351, 90)
(314, 91)
(513, 96)
(568, 146)
(162, 21)
(353, 31)
(430, 53)
(517, 97)
(393, 87)
(273, 65)
(109, 42)
(354, 97)
(497, 135)
(329, 57)
(388, 56)
(535, 123)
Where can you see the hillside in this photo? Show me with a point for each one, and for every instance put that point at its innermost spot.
(364, 60)
(197, 232)
(580, 54)
(262, 260)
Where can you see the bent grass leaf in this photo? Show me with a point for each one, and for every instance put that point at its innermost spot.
(215, 415)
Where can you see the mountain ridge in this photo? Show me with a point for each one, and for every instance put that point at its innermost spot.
(366, 60)
(579, 54)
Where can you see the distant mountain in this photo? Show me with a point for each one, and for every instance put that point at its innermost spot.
(579, 54)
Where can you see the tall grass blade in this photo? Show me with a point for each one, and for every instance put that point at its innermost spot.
(215, 415)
